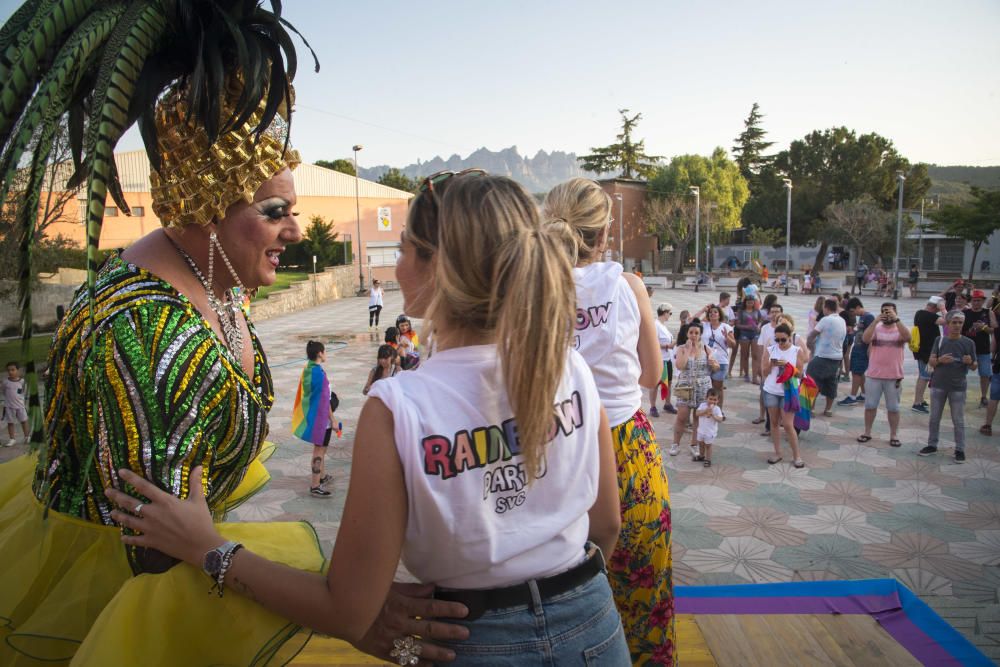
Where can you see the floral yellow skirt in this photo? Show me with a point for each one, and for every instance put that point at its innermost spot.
(67, 594)
(640, 570)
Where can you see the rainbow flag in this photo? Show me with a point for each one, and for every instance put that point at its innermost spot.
(311, 412)
(808, 391)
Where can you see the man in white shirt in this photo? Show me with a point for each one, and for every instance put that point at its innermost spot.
(828, 339)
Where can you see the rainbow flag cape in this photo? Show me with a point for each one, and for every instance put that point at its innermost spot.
(311, 412)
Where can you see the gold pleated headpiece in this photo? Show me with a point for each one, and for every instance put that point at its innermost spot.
(196, 181)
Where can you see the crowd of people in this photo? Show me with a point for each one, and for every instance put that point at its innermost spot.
(955, 333)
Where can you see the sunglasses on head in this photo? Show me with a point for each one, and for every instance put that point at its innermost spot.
(440, 177)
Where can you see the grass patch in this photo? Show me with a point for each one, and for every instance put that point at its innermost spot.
(10, 350)
(284, 281)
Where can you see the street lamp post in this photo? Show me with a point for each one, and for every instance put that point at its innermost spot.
(899, 229)
(920, 249)
(696, 191)
(708, 236)
(621, 229)
(357, 206)
(788, 234)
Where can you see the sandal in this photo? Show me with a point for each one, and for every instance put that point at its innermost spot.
(986, 429)
(799, 463)
(895, 443)
(760, 420)
(772, 461)
(864, 438)
(708, 463)
(828, 413)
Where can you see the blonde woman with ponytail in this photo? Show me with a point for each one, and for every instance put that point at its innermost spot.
(616, 334)
(489, 469)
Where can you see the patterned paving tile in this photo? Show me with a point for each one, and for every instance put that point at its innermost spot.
(830, 553)
(856, 511)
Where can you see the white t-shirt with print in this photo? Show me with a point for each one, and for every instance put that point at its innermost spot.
(716, 340)
(607, 335)
(473, 520)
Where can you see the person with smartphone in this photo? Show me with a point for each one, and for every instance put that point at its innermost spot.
(886, 340)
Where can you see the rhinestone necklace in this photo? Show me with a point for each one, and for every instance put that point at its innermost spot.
(228, 308)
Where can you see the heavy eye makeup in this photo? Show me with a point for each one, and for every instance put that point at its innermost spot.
(276, 209)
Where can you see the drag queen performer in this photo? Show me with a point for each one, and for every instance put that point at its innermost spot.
(154, 367)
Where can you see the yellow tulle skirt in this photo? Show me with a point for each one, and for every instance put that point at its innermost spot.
(67, 594)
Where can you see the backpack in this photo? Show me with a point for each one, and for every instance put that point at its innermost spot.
(914, 339)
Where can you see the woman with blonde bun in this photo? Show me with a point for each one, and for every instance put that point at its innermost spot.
(616, 334)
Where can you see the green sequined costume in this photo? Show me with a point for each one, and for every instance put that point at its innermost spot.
(153, 390)
(156, 392)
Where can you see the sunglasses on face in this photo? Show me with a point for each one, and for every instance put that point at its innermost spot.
(440, 177)
(780, 340)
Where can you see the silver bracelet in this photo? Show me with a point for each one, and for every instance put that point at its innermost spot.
(227, 560)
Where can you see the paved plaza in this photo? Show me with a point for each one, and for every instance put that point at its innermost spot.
(855, 511)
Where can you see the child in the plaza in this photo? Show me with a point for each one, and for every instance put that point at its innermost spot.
(14, 411)
(312, 416)
(709, 415)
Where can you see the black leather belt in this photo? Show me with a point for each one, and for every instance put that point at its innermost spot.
(480, 601)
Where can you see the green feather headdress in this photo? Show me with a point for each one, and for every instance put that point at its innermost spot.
(99, 66)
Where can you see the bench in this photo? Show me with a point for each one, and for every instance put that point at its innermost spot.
(654, 281)
(692, 281)
(727, 282)
(773, 285)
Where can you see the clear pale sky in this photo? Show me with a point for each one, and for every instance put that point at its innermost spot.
(413, 80)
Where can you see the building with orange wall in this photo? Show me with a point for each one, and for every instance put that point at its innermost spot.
(639, 246)
(323, 192)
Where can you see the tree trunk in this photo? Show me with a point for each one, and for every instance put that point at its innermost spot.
(975, 252)
(680, 255)
(820, 256)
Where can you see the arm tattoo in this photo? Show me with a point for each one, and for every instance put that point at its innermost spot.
(242, 588)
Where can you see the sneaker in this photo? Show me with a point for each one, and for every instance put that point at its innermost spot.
(959, 456)
(928, 450)
(847, 400)
(324, 479)
(695, 452)
(919, 407)
(669, 408)
(925, 404)
(319, 492)
(10, 443)
(675, 449)
(653, 412)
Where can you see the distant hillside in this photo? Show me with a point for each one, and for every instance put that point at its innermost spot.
(983, 177)
(538, 174)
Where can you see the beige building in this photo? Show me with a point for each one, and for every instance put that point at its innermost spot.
(320, 191)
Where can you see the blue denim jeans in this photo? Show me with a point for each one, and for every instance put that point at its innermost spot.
(578, 627)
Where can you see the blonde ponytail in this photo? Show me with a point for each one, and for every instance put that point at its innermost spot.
(498, 272)
(586, 208)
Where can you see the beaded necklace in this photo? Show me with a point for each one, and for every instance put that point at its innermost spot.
(228, 308)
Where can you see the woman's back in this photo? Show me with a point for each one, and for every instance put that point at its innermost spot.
(607, 335)
(466, 484)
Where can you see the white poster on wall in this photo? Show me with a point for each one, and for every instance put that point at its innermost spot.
(385, 219)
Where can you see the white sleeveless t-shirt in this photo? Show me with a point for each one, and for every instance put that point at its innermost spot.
(607, 335)
(473, 520)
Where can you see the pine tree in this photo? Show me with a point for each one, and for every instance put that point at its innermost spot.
(627, 155)
(750, 146)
